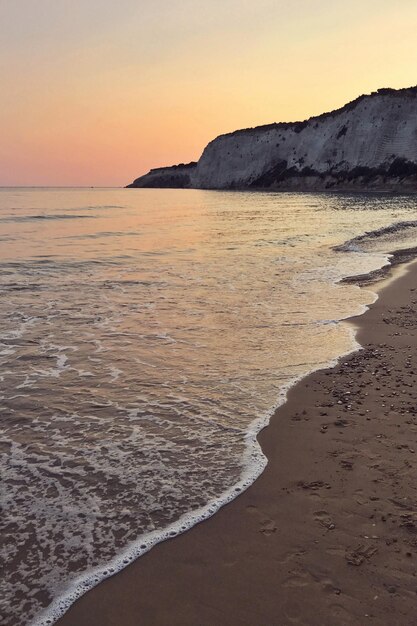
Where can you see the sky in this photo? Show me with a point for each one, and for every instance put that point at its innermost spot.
(97, 92)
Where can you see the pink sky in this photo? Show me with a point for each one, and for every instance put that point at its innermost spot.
(98, 92)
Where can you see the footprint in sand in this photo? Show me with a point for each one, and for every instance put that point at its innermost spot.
(314, 485)
(303, 578)
(346, 464)
(324, 519)
(267, 526)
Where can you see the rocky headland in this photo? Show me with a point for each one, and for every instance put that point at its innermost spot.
(368, 144)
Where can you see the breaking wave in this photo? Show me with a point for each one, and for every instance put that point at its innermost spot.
(394, 234)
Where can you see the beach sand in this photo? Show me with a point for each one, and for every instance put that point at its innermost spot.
(327, 536)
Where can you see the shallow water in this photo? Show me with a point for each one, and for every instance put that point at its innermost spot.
(145, 337)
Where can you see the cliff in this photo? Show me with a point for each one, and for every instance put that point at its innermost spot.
(174, 177)
(370, 143)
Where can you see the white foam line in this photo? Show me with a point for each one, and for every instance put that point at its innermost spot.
(255, 463)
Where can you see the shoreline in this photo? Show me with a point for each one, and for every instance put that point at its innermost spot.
(354, 190)
(257, 528)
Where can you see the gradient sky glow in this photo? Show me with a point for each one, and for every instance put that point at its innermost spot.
(96, 92)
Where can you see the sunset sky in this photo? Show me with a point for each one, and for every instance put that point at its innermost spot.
(96, 92)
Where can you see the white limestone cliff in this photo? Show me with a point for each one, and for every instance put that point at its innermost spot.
(369, 143)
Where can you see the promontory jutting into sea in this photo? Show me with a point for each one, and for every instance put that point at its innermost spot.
(368, 144)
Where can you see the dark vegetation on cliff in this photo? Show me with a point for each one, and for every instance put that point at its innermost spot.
(358, 146)
(172, 177)
(281, 175)
(349, 106)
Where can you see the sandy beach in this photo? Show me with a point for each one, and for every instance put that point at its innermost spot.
(328, 534)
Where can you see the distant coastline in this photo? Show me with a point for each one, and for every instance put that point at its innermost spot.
(368, 144)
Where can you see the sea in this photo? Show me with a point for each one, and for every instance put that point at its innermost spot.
(146, 336)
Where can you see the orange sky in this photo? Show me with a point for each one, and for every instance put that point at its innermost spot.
(95, 92)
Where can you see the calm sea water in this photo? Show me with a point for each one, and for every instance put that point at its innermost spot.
(145, 337)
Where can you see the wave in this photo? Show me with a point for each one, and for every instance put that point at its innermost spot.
(32, 218)
(391, 236)
(98, 206)
(359, 243)
(100, 235)
(255, 463)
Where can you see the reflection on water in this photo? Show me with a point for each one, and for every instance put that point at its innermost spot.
(144, 335)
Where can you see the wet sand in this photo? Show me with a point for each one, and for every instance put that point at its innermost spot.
(327, 536)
